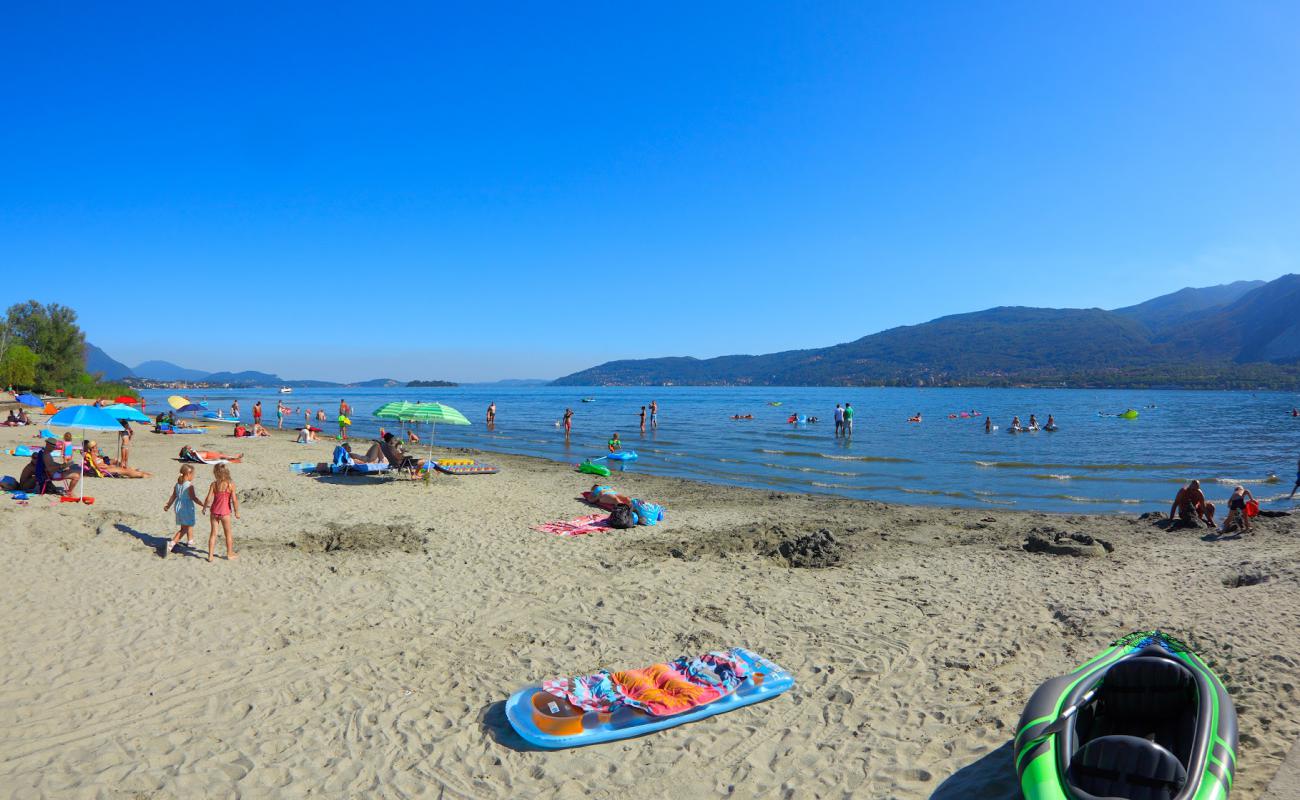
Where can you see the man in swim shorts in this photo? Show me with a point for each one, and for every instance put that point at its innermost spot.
(839, 419)
(848, 419)
(1191, 507)
(654, 413)
(257, 413)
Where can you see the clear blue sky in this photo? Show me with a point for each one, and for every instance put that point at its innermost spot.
(482, 191)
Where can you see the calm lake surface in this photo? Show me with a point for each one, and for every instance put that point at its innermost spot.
(1093, 463)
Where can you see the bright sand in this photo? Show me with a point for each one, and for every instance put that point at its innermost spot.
(364, 643)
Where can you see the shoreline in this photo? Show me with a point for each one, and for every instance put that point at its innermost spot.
(367, 637)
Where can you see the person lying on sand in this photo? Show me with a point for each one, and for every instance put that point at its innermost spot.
(201, 456)
(1191, 507)
(605, 497)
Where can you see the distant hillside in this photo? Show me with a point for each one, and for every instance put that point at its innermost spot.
(100, 363)
(430, 384)
(1161, 312)
(1201, 338)
(378, 383)
(167, 371)
(248, 377)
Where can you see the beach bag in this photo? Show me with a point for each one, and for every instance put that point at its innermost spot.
(621, 516)
(646, 513)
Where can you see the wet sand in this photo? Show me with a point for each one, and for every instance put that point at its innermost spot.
(364, 643)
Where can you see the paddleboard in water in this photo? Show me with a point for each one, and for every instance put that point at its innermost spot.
(545, 717)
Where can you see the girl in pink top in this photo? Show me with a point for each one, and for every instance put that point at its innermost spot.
(221, 502)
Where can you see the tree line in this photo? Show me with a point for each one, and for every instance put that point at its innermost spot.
(43, 349)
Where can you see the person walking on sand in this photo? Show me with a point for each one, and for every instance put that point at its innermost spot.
(220, 503)
(848, 420)
(185, 500)
(839, 420)
(345, 418)
(643, 419)
(257, 413)
(654, 414)
(492, 415)
(568, 421)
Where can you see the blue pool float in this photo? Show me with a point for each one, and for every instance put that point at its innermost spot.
(623, 455)
(526, 706)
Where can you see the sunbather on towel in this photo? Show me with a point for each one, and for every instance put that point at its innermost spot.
(605, 497)
(374, 455)
(209, 456)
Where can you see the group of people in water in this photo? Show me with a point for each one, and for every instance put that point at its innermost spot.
(1032, 427)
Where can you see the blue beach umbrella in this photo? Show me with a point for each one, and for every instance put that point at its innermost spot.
(29, 399)
(86, 418)
(122, 411)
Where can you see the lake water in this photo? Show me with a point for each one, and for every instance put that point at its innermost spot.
(1093, 463)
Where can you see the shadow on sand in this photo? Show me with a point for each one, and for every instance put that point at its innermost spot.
(993, 777)
(157, 543)
(493, 720)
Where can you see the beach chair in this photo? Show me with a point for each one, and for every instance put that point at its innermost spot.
(344, 464)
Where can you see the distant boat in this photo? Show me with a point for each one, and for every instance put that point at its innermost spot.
(588, 399)
(285, 390)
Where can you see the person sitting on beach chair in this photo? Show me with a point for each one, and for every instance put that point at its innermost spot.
(396, 455)
(43, 474)
(102, 469)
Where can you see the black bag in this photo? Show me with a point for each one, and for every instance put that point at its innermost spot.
(621, 516)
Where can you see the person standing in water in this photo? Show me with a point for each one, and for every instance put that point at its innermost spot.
(345, 418)
(568, 421)
(839, 420)
(257, 413)
(988, 424)
(614, 444)
(492, 415)
(234, 409)
(848, 420)
(643, 419)
(654, 414)
(1297, 479)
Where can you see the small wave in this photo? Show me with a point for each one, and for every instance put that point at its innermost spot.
(1087, 467)
(879, 459)
(1052, 476)
(1243, 481)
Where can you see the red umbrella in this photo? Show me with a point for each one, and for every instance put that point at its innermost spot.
(129, 401)
(60, 391)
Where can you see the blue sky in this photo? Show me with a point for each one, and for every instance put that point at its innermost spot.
(484, 191)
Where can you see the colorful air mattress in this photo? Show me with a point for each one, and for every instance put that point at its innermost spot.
(623, 455)
(466, 469)
(590, 468)
(607, 706)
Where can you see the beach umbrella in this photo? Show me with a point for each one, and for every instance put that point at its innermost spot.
(189, 407)
(125, 400)
(85, 418)
(121, 411)
(176, 401)
(29, 399)
(433, 413)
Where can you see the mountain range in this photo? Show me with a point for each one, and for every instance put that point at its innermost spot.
(1238, 335)
(99, 362)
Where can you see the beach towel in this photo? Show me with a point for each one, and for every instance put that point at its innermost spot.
(592, 523)
(659, 690)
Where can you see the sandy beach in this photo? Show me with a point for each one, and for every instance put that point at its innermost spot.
(364, 643)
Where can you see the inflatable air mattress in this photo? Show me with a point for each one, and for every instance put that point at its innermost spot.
(609, 706)
(623, 455)
(467, 469)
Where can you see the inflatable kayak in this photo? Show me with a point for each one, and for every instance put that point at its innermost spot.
(607, 706)
(591, 468)
(1144, 719)
(623, 455)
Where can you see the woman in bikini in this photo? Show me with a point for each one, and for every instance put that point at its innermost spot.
(97, 466)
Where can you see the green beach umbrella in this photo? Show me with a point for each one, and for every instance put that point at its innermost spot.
(432, 413)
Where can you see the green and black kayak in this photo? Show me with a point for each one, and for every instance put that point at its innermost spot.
(1144, 720)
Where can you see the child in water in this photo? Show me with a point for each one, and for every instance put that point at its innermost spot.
(184, 499)
(615, 444)
(221, 502)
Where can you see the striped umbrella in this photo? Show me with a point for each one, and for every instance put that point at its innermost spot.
(431, 413)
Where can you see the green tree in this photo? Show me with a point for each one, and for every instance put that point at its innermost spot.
(18, 366)
(51, 332)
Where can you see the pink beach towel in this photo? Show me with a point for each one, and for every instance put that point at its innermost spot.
(592, 523)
